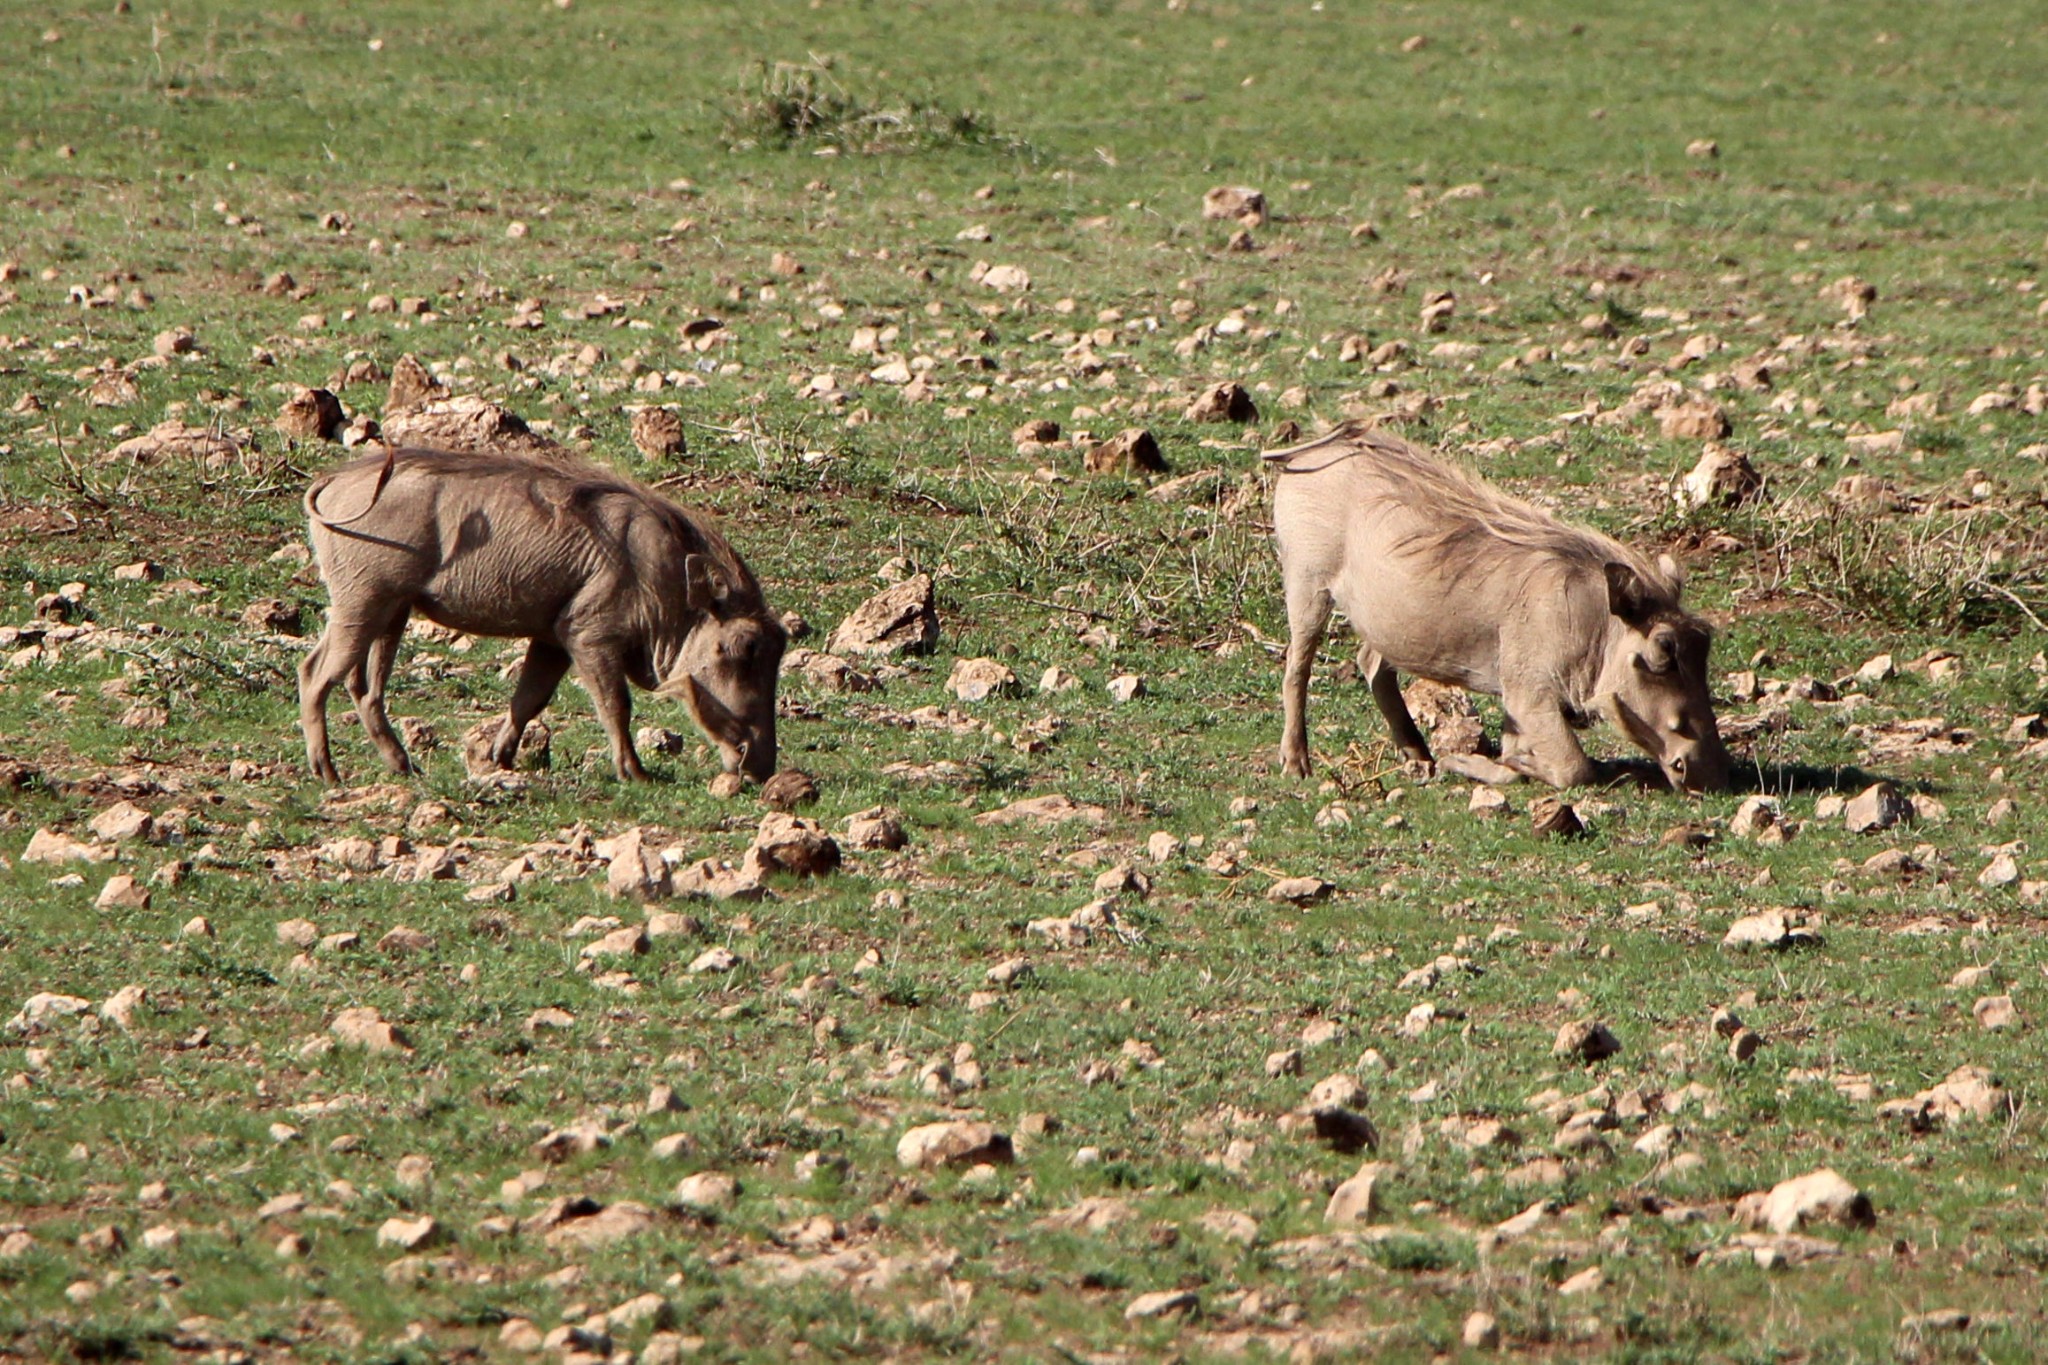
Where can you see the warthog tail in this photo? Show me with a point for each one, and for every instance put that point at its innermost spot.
(1283, 460)
(376, 490)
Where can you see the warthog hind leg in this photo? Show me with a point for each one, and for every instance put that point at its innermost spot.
(340, 657)
(1308, 616)
(1386, 694)
(539, 676)
(366, 688)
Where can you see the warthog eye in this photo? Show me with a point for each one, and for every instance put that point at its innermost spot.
(1655, 662)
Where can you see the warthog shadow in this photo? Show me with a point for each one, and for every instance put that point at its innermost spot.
(1753, 778)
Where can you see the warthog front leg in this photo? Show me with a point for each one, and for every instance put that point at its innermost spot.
(1386, 694)
(539, 676)
(1308, 616)
(1539, 742)
(366, 688)
(606, 682)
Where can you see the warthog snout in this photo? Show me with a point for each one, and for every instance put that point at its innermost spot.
(1660, 700)
(726, 679)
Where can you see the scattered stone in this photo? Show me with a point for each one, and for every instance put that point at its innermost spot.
(1722, 478)
(1585, 1282)
(1300, 890)
(1769, 929)
(467, 424)
(1133, 450)
(957, 1143)
(122, 892)
(788, 789)
(412, 386)
(1164, 1303)
(1056, 679)
(1224, 402)
(1481, 1332)
(2002, 870)
(658, 434)
(1995, 1012)
(1009, 973)
(365, 1028)
(792, 844)
(637, 871)
(119, 1008)
(411, 1234)
(123, 821)
(718, 959)
(310, 415)
(1235, 203)
(1004, 279)
(980, 679)
(1877, 807)
(570, 1221)
(1755, 815)
(1969, 1092)
(1852, 295)
(44, 1007)
(49, 846)
(1125, 687)
(1585, 1040)
(1357, 1199)
(1555, 819)
(876, 829)
(900, 619)
(708, 1192)
(1050, 809)
(1486, 803)
(1820, 1196)
(629, 941)
(1701, 419)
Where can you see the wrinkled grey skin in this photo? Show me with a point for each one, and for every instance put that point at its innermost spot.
(1446, 578)
(596, 572)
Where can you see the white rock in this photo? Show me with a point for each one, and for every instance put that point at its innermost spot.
(119, 1008)
(708, 1191)
(1357, 1199)
(1819, 1196)
(45, 1006)
(1165, 1302)
(410, 1234)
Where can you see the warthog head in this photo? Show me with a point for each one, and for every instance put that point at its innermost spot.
(1653, 682)
(727, 669)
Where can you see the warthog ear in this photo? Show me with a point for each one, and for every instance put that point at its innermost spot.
(701, 588)
(1628, 596)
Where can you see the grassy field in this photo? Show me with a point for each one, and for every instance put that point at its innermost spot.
(543, 203)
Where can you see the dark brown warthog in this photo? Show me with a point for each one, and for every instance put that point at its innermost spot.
(592, 569)
(1449, 579)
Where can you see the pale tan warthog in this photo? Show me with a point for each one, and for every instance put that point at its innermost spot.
(1449, 579)
(592, 569)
